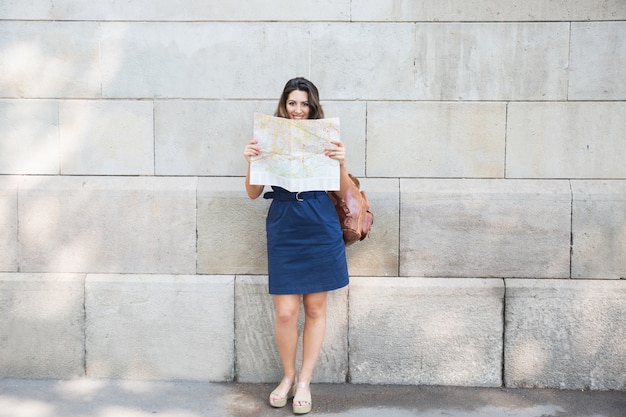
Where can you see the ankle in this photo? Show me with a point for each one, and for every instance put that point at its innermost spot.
(291, 378)
(305, 380)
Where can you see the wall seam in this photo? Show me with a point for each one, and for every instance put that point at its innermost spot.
(503, 360)
(350, 18)
(365, 144)
(17, 230)
(348, 373)
(571, 227)
(569, 61)
(85, 325)
(154, 170)
(399, 257)
(100, 58)
(196, 225)
(59, 156)
(235, 370)
(309, 76)
(506, 133)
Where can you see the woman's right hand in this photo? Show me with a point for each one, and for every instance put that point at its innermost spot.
(251, 149)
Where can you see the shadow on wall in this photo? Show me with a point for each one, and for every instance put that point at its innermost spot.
(40, 62)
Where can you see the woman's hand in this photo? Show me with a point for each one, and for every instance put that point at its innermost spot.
(338, 151)
(251, 149)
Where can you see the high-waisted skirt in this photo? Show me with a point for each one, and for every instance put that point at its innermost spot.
(305, 248)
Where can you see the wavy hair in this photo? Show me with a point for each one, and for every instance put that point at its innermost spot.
(300, 84)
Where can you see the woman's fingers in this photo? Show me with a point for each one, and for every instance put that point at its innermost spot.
(337, 151)
(251, 150)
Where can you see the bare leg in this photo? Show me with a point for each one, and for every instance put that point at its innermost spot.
(312, 340)
(286, 334)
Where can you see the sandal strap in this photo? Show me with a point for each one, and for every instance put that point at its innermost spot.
(301, 398)
(282, 394)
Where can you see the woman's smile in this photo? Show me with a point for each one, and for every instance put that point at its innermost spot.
(298, 105)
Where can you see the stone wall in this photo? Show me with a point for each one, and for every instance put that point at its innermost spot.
(490, 136)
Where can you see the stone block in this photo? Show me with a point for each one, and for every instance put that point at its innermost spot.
(203, 60)
(257, 355)
(42, 325)
(228, 242)
(231, 228)
(486, 10)
(363, 61)
(597, 61)
(492, 61)
(377, 255)
(191, 10)
(106, 137)
(107, 224)
(25, 10)
(29, 137)
(199, 137)
(599, 229)
(565, 334)
(352, 117)
(485, 228)
(436, 139)
(190, 134)
(160, 327)
(8, 224)
(426, 331)
(566, 140)
(49, 59)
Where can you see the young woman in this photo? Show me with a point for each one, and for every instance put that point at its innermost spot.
(306, 255)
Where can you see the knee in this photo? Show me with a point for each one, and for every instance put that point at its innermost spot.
(315, 311)
(287, 315)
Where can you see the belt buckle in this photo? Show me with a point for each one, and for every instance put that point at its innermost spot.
(298, 196)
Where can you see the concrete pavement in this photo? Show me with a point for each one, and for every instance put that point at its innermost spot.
(123, 398)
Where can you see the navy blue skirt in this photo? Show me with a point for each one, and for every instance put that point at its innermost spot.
(305, 248)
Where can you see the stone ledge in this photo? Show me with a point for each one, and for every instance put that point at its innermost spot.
(257, 356)
(565, 334)
(161, 327)
(417, 331)
(431, 331)
(42, 325)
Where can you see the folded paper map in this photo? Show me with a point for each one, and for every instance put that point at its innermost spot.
(292, 153)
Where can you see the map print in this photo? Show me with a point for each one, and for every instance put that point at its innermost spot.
(292, 153)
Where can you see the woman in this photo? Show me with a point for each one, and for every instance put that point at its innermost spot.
(306, 255)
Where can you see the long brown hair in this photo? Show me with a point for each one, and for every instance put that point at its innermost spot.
(300, 84)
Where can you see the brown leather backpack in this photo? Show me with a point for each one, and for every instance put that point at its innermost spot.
(354, 212)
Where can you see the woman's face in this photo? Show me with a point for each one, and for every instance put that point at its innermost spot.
(298, 105)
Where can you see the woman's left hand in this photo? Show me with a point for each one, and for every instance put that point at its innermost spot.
(338, 151)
